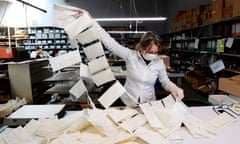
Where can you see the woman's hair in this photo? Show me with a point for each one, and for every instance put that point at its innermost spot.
(147, 40)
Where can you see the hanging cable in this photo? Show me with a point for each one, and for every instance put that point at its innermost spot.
(26, 3)
(156, 8)
(134, 8)
(121, 7)
(108, 6)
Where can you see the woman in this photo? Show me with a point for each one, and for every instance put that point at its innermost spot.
(143, 67)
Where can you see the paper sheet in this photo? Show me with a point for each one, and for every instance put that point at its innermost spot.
(78, 89)
(229, 42)
(65, 60)
(217, 66)
(112, 94)
(98, 64)
(103, 77)
(87, 36)
(93, 51)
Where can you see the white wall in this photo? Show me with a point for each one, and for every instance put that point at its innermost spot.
(20, 15)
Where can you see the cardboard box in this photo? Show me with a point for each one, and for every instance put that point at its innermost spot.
(236, 9)
(230, 85)
(228, 12)
(216, 10)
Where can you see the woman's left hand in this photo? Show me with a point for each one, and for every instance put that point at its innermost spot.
(178, 93)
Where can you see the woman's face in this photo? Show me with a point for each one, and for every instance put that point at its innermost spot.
(153, 49)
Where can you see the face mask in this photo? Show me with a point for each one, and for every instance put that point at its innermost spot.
(150, 57)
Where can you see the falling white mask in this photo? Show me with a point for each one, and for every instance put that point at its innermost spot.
(150, 57)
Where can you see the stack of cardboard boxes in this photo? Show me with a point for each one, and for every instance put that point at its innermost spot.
(206, 14)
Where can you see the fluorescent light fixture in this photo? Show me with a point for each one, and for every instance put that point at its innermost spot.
(133, 19)
(127, 32)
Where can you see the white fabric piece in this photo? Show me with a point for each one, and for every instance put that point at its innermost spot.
(78, 89)
(222, 120)
(103, 77)
(65, 139)
(168, 101)
(98, 64)
(158, 104)
(98, 118)
(112, 94)
(81, 124)
(133, 123)
(31, 126)
(77, 26)
(151, 116)
(175, 136)
(198, 128)
(84, 71)
(151, 137)
(64, 15)
(65, 60)
(120, 115)
(87, 36)
(90, 136)
(93, 51)
(179, 110)
(18, 135)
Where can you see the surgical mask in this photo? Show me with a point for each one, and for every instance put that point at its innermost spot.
(149, 56)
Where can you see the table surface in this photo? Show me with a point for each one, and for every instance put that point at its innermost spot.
(226, 135)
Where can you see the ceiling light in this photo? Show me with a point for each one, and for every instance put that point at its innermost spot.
(133, 19)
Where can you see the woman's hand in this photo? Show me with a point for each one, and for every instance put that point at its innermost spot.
(178, 93)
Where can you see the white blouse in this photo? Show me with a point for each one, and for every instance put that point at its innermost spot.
(141, 77)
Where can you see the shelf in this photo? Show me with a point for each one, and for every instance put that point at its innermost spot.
(183, 54)
(64, 76)
(59, 89)
(233, 71)
(223, 21)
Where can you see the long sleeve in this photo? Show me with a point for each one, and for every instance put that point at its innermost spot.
(110, 43)
(164, 79)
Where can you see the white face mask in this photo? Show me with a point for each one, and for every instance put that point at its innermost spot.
(150, 57)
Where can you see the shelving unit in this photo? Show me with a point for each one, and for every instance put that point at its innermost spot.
(51, 39)
(193, 50)
(26, 79)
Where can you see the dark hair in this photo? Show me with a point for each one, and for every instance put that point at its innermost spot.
(147, 40)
